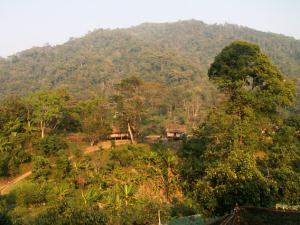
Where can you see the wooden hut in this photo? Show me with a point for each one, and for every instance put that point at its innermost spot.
(119, 134)
(175, 131)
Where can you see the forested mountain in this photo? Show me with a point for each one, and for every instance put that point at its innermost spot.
(174, 54)
(203, 41)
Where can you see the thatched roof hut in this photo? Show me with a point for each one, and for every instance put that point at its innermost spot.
(175, 130)
(119, 133)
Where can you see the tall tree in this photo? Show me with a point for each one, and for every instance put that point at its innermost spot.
(228, 161)
(95, 118)
(249, 79)
(47, 108)
(130, 104)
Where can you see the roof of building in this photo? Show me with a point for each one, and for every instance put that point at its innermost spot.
(118, 130)
(176, 128)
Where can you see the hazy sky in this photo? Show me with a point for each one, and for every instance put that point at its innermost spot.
(27, 23)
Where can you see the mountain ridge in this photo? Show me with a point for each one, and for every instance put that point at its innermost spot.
(171, 53)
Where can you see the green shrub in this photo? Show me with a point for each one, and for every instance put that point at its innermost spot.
(129, 155)
(29, 193)
(63, 166)
(10, 160)
(41, 168)
(144, 212)
(4, 164)
(75, 150)
(4, 207)
(182, 209)
(71, 216)
(4, 219)
(51, 144)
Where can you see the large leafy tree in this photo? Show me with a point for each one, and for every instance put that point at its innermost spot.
(48, 107)
(230, 158)
(13, 138)
(95, 117)
(249, 78)
(130, 104)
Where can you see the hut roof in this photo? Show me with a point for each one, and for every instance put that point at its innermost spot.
(176, 128)
(117, 130)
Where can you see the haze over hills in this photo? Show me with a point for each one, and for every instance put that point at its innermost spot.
(172, 53)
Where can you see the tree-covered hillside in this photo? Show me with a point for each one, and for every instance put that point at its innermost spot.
(95, 62)
(203, 41)
(173, 54)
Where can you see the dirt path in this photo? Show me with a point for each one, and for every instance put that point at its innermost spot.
(104, 145)
(6, 188)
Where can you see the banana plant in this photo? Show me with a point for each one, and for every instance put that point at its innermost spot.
(114, 200)
(29, 131)
(61, 192)
(5, 145)
(89, 196)
(128, 190)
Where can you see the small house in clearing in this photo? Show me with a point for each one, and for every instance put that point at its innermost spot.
(175, 131)
(119, 134)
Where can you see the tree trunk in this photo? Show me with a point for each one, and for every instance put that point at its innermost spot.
(92, 143)
(130, 133)
(42, 129)
(159, 222)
